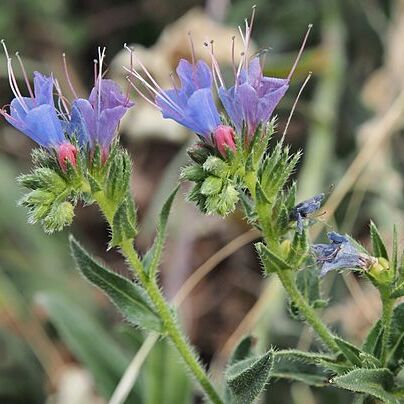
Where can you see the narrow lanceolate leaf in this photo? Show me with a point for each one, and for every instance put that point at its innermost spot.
(128, 297)
(270, 260)
(94, 184)
(396, 341)
(246, 379)
(124, 223)
(152, 258)
(398, 291)
(351, 352)
(379, 249)
(300, 366)
(242, 351)
(373, 341)
(375, 382)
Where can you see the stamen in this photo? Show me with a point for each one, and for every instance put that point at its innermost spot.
(240, 65)
(12, 81)
(25, 77)
(69, 82)
(101, 56)
(160, 91)
(172, 78)
(161, 94)
(248, 30)
(95, 71)
(191, 42)
(300, 51)
(295, 103)
(215, 65)
(140, 93)
(61, 99)
(233, 61)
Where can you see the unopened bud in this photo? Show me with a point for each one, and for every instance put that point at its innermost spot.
(67, 152)
(224, 139)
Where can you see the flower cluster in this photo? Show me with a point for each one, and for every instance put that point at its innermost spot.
(56, 127)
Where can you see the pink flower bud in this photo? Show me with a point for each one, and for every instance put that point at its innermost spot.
(67, 151)
(224, 138)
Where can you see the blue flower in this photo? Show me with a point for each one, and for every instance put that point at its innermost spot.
(339, 254)
(36, 116)
(96, 119)
(253, 98)
(192, 105)
(303, 209)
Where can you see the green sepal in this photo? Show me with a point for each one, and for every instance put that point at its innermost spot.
(261, 197)
(216, 166)
(193, 173)
(124, 223)
(117, 179)
(128, 297)
(247, 378)
(211, 186)
(249, 208)
(60, 215)
(282, 221)
(270, 260)
(152, 258)
(45, 178)
(94, 184)
(379, 249)
(290, 197)
(298, 249)
(375, 382)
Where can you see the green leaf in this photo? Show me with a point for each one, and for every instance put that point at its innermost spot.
(246, 379)
(128, 297)
(242, 350)
(375, 382)
(300, 366)
(396, 342)
(379, 249)
(394, 253)
(398, 291)
(211, 186)
(117, 179)
(124, 223)
(94, 184)
(351, 352)
(88, 341)
(373, 342)
(270, 261)
(152, 258)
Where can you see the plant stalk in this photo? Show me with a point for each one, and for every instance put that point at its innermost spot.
(286, 277)
(386, 319)
(162, 307)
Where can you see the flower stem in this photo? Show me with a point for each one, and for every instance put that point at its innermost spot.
(286, 277)
(387, 313)
(170, 323)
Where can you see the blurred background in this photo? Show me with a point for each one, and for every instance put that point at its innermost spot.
(61, 341)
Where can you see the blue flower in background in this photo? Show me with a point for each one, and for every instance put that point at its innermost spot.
(340, 253)
(303, 209)
(192, 105)
(96, 119)
(253, 98)
(36, 116)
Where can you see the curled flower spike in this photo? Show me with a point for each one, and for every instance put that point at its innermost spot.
(303, 209)
(340, 254)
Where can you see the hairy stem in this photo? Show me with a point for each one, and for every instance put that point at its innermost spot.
(170, 325)
(387, 313)
(286, 277)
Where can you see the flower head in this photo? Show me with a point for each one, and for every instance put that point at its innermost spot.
(303, 209)
(99, 116)
(340, 253)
